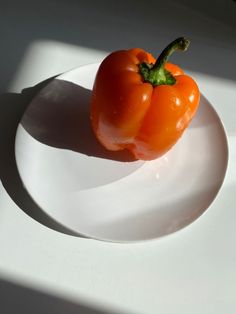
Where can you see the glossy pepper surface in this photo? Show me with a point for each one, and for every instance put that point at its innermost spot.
(142, 104)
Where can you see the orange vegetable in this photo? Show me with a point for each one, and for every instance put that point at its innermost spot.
(142, 104)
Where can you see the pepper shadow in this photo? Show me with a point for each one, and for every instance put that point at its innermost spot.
(59, 117)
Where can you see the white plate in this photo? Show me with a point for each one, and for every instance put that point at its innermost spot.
(107, 195)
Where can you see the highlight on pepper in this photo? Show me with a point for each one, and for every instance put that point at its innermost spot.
(141, 103)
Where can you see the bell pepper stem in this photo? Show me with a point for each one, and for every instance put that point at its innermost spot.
(157, 74)
(180, 43)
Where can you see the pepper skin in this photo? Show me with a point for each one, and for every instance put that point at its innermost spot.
(142, 104)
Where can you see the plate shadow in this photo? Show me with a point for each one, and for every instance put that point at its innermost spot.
(12, 107)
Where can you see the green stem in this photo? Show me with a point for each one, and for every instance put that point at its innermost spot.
(157, 74)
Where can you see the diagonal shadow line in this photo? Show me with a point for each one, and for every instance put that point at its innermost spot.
(19, 298)
(12, 107)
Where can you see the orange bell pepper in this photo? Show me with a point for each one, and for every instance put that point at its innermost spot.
(142, 104)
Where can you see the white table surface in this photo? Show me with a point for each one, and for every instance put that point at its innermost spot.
(47, 271)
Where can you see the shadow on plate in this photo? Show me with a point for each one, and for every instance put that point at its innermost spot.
(59, 117)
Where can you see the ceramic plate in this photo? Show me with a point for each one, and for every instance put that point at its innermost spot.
(107, 195)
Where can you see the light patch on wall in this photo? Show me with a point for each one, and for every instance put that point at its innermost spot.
(46, 58)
